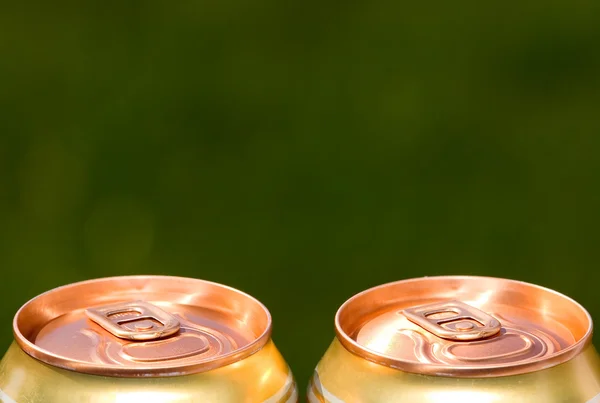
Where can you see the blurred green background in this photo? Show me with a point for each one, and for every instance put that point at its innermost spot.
(301, 152)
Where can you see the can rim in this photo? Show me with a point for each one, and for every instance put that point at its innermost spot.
(496, 370)
(166, 370)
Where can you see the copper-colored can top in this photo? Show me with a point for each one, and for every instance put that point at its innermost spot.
(463, 326)
(142, 326)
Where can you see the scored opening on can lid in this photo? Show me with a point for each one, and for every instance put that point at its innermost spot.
(142, 326)
(463, 326)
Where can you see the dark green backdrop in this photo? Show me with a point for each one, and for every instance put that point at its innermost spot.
(299, 151)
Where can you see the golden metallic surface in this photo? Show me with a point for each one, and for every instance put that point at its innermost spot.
(144, 339)
(262, 377)
(142, 326)
(344, 377)
(453, 320)
(463, 326)
(135, 320)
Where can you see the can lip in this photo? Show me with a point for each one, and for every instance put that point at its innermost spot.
(40, 303)
(434, 369)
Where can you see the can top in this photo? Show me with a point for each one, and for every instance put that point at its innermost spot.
(463, 326)
(142, 326)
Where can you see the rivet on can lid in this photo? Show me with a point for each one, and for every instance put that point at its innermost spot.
(136, 320)
(453, 320)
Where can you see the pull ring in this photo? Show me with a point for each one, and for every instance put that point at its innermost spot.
(136, 320)
(454, 320)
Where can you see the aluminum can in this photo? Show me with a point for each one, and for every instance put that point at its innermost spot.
(459, 339)
(145, 339)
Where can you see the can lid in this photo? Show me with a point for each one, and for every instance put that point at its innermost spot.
(463, 326)
(142, 326)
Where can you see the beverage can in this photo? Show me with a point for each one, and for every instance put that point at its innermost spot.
(144, 339)
(460, 339)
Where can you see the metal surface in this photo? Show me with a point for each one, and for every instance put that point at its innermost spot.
(136, 320)
(218, 325)
(343, 377)
(262, 377)
(539, 327)
(400, 342)
(453, 320)
(144, 339)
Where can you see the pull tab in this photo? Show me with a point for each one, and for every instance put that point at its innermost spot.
(454, 320)
(136, 320)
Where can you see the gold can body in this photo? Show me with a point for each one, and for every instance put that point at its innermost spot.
(261, 377)
(459, 339)
(342, 376)
(144, 339)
